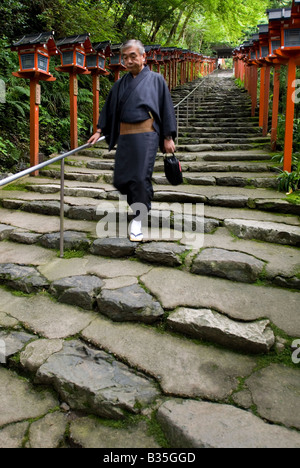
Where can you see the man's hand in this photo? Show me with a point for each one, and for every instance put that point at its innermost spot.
(170, 147)
(94, 138)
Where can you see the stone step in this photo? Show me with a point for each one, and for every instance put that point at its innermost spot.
(222, 139)
(245, 131)
(211, 425)
(213, 134)
(212, 124)
(234, 197)
(230, 180)
(192, 166)
(225, 147)
(211, 114)
(202, 120)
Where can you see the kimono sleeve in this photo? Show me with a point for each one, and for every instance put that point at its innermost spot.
(108, 120)
(105, 118)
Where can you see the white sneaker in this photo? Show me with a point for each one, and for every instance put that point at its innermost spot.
(136, 234)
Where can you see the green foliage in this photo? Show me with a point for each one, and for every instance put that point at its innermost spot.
(289, 181)
(294, 198)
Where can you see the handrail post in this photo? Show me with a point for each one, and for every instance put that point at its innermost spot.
(194, 105)
(187, 112)
(62, 206)
(177, 137)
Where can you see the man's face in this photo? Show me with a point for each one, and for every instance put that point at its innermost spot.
(133, 60)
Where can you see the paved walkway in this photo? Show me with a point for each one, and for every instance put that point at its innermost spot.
(188, 340)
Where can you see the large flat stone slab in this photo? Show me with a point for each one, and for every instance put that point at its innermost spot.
(131, 303)
(277, 233)
(113, 247)
(104, 268)
(281, 402)
(22, 278)
(5, 231)
(164, 253)
(20, 401)
(72, 240)
(12, 342)
(46, 207)
(37, 352)
(80, 290)
(89, 433)
(48, 432)
(253, 337)
(196, 424)
(173, 289)
(231, 201)
(235, 266)
(45, 317)
(280, 260)
(181, 367)
(10, 252)
(12, 436)
(43, 224)
(95, 382)
(173, 196)
(24, 237)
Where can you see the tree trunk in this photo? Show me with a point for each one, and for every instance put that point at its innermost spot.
(187, 19)
(126, 13)
(174, 27)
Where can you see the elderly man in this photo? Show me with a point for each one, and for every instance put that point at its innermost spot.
(139, 117)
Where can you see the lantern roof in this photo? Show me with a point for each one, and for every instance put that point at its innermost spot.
(279, 14)
(115, 48)
(104, 47)
(35, 39)
(263, 28)
(148, 48)
(77, 39)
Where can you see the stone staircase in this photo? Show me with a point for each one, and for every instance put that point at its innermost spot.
(187, 340)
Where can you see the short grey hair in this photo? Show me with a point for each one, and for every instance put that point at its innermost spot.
(133, 43)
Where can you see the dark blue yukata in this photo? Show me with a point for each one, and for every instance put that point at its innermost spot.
(133, 101)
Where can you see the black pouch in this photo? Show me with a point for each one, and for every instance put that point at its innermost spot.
(173, 170)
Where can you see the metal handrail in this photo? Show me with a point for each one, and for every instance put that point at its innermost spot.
(61, 158)
(177, 106)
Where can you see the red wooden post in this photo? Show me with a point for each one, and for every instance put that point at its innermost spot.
(96, 89)
(254, 77)
(34, 123)
(266, 100)
(290, 111)
(262, 96)
(275, 107)
(73, 110)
